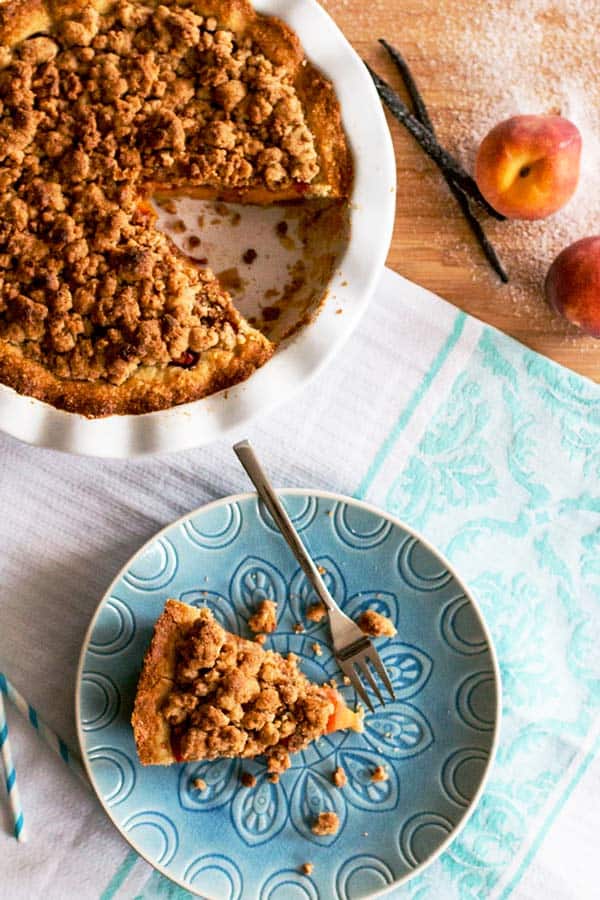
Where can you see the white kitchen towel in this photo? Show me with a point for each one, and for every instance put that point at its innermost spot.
(491, 451)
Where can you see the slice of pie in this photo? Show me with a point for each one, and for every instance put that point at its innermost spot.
(206, 694)
(103, 105)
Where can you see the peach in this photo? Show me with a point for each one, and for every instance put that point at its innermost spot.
(527, 167)
(573, 284)
(342, 717)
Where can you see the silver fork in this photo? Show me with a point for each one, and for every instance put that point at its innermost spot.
(354, 651)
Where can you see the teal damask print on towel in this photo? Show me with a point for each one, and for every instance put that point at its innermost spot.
(504, 481)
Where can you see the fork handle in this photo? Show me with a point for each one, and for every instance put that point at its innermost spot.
(265, 491)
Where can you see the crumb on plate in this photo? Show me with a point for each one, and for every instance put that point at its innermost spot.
(326, 823)
(315, 612)
(376, 625)
(339, 777)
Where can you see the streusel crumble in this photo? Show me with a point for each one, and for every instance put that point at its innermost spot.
(99, 313)
(205, 693)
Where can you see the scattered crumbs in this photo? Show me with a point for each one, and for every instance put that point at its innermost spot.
(199, 784)
(339, 777)
(281, 228)
(338, 312)
(193, 241)
(316, 648)
(346, 680)
(248, 779)
(365, 834)
(327, 512)
(270, 313)
(273, 777)
(249, 256)
(332, 683)
(388, 734)
(298, 627)
(379, 773)
(326, 823)
(307, 868)
(321, 570)
(315, 612)
(344, 284)
(230, 279)
(260, 639)
(374, 624)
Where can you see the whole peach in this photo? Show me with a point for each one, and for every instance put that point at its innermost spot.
(527, 167)
(573, 284)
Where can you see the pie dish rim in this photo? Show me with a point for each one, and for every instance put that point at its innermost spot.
(372, 205)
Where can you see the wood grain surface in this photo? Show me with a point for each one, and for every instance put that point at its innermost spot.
(432, 245)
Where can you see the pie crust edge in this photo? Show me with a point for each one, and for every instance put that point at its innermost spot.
(151, 730)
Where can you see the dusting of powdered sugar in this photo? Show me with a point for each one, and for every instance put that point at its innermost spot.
(519, 57)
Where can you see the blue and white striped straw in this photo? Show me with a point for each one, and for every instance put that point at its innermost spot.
(49, 736)
(11, 777)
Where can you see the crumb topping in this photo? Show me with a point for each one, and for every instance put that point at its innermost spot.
(339, 777)
(376, 625)
(379, 773)
(93, 117)
(248, 779)
(315, 612)
(307, 868)
(326, 823)
(265, 617)
(232, 698)
(199, 784)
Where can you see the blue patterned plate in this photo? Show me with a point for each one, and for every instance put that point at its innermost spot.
(436, 741)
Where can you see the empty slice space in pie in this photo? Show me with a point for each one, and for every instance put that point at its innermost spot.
(104, 106)
(205, 694)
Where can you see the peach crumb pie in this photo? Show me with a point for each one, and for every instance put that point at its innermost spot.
(204, 693)
(104, 105)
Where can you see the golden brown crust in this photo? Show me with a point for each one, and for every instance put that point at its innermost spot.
(145, 391)
(19, 19)
(152, 386)
(150, 729)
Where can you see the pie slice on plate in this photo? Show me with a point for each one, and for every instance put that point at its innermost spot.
(104, 104)
(205, 693)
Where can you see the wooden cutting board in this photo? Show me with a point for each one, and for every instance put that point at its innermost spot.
(432, 244)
